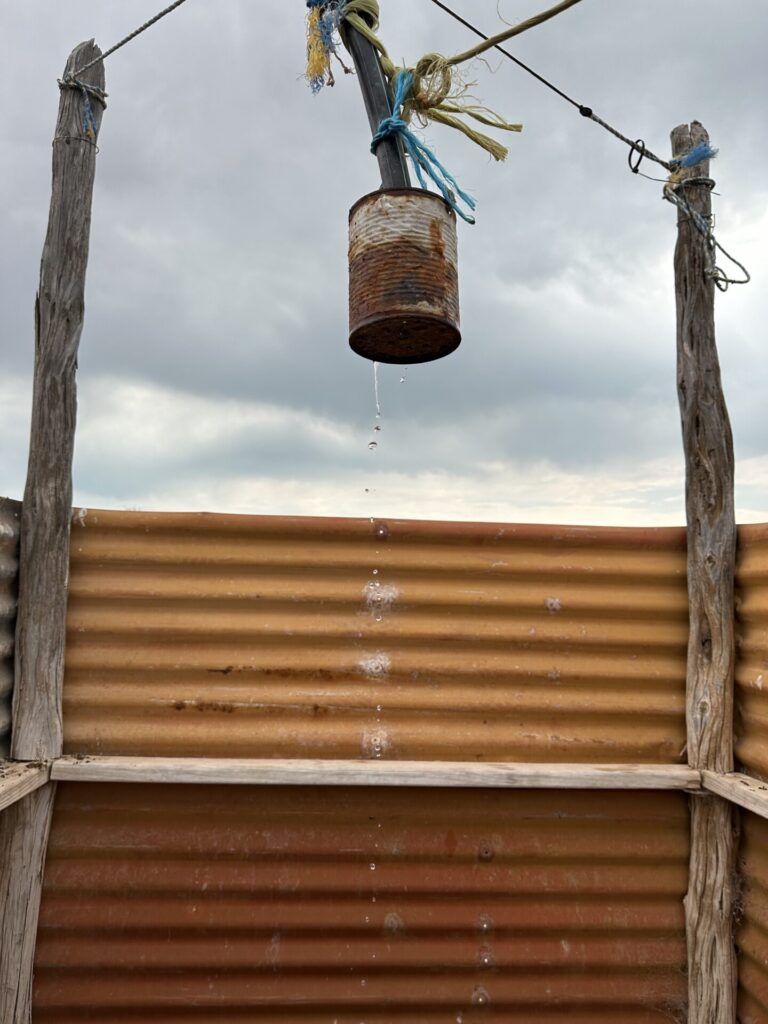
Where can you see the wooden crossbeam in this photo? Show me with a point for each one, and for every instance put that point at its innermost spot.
(19, 778)
(240, 771)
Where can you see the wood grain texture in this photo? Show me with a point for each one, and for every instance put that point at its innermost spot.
(45, 522)
(238, 771)
(19, 778)
(24, 829)
(709, 461)
(751, 794)
(711, 529)
(712, 964)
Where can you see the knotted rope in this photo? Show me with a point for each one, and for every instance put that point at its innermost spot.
(432, 90)
(323, 24)
(674, 192)
(422, 157)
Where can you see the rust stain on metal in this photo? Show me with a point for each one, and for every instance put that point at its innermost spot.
(215, 635)
(162, 903)
(403, 277)
(752, 934)
(751, 697)
(10, 515)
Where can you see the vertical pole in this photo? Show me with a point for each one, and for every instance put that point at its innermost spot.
(709, 462)
(45, 523)
(47, 506)
(373, 85)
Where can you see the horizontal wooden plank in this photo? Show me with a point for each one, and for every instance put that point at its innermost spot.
(240, 771)
(752, 794)
(19, 778)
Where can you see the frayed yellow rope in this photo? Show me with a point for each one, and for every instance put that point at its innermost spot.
(318, 58)
(513, 30)
(438, 93)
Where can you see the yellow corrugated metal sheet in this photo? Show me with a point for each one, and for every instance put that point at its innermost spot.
(751, 724)
(753, 932)
(171, 904)
(10, 514)
(229, 635)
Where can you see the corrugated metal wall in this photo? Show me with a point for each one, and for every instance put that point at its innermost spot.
(751, 735)
(751, 725)
(753, 932)
(221, 635)
(171, 904)
(10, 514)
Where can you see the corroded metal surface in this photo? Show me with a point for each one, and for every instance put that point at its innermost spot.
(182, 903)
(10, 513)
(752, 936)
(751, 724)
(403, 277)
(238, 636)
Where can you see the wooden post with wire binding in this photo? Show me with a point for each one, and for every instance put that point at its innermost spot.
(45, 522)
(709, 461)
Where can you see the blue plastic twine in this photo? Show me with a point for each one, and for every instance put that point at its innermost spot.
(422, 157)
(694, 156)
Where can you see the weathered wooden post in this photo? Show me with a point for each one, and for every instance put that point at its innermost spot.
(47, 506)
(709, 461)
(45, 522)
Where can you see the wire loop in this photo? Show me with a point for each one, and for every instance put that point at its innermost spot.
(634, 161)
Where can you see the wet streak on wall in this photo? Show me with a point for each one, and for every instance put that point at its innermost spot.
(10, 514)
(276, 637)
(184, 904)
(752, 933)
(751, 724)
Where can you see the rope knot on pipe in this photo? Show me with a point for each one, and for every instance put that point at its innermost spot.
(423, 159)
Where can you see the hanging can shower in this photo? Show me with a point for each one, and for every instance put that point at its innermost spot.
(403, 277)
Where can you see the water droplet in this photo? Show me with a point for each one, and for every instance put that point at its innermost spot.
(393, 922)
(377, 618)
(372, 445)
(480, 996)
(486, 958)
(378, 707)
(376, 388)
(375, 572)
(485, 922)
(373, 867)
(377, 427)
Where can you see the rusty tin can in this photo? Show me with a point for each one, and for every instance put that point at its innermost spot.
(403, 277)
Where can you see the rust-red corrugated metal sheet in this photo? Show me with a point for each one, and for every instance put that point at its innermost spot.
(751, 744)
(179, 903)
(221, 635)
(752, 936)
(10, 515)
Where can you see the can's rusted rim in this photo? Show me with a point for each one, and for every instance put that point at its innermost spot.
(401, 191)
(405, 339)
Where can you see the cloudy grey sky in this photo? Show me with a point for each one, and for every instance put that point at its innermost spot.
(214, 369)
